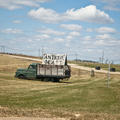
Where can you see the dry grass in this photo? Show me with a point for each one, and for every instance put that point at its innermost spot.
(81, 98)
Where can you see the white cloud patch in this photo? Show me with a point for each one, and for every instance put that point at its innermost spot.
(15, 4)
(51, 32)
(74, 27)
(89, 30)
(17, 21)
(109, 4)
(87, 38)
(105, 30)
(58, 40)
(112, 8)
(42, 37)
(88, 14)
(74, 33)
(100, 42)
(104, 37)
(45, 15)
(12, 31)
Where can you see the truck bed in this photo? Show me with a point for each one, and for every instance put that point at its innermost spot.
(51, 70)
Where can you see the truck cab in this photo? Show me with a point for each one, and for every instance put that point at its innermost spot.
(29, 73)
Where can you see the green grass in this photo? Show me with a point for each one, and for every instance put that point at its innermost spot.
(81, 94)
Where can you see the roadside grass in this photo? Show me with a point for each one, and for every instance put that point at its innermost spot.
(81, 97)
(93, 65)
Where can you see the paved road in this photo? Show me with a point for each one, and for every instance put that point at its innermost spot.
(72, 65)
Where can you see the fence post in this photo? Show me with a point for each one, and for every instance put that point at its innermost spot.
(92, 73)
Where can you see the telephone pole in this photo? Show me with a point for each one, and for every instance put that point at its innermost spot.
(42, 51)
(102, 57)
(108, 74)
(76, 56)
(2, 49)
(38, 52)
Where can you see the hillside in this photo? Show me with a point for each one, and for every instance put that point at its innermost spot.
(81, 97)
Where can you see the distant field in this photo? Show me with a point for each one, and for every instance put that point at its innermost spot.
(80, 98)
(93, 65)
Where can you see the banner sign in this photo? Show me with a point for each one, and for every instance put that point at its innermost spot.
(51, 59)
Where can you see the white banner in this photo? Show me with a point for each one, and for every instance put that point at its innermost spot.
(51, 59)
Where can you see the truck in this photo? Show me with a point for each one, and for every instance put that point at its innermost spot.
(48, 70)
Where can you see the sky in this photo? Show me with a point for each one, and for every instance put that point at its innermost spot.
(85, 29)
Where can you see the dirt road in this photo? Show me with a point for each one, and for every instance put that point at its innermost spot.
(72, 65)
(29, 118)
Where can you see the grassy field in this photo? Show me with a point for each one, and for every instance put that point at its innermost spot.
(80, 98)
(93, 65)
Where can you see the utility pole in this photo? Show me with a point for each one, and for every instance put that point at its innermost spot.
(42, 51)
(2, 49)
(38, 52)
(102, 57)
(106, 61)
(76, 55)
(108, 74)
(99, 59)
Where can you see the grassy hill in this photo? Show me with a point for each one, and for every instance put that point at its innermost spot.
(80, 98)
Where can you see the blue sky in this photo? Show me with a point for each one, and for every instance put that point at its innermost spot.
(86, 28)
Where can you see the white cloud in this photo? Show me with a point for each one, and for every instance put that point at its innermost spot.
(42, 37)
(17, 21)
(51, 32)
(88, 14)
(87, 38)
(58, 40)
(45, 15)
(104, 37)
(89, 50)
(89, 30)
(107, 43)
(15, 4)
(109, 4)
(74, 27)
(100, 42)
(74, 33)
(69, 37)
(12, 31)
(105, 30)
(112, 8)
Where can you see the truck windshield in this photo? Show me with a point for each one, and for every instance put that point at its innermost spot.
(31, 67)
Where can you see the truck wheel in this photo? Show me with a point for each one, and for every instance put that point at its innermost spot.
(21, 77)
(56, 80)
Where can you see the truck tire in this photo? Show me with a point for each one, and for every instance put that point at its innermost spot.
(21, 76)
(55, 80)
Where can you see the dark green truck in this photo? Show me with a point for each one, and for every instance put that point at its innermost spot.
(44, 72)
